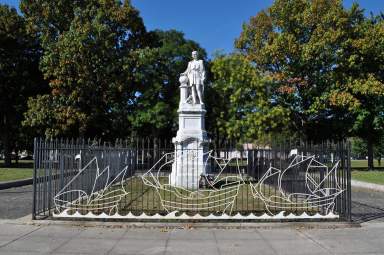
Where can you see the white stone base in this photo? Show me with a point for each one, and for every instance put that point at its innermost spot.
(188, 166)
(190, 182)
(190, 147)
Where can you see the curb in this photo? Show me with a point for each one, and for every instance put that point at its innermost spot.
(367, 185)
(14, 184)
(194, 225)
(27, 220)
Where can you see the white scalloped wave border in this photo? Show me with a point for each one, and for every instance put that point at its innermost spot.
(183, 216)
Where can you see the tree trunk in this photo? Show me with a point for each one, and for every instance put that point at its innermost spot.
(4, 136)
(370, 152)
(7, 151)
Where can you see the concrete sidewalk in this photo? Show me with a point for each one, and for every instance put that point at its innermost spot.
(22, 238)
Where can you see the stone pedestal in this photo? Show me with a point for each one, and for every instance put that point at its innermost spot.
(191, 147)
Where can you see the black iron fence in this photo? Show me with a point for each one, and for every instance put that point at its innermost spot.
(149, 176)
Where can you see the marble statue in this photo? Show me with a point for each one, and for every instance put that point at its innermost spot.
(191, 141)
(196, 77)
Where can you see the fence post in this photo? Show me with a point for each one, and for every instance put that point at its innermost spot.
(34, 178)
(349, 192)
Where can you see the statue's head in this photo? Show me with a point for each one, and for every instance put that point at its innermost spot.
(195, 55)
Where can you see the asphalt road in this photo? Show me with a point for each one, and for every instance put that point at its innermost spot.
(15, 202)
(367, 205)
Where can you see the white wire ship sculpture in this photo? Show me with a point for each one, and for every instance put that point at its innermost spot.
(321, 187)
(105, 195)
(218, 193)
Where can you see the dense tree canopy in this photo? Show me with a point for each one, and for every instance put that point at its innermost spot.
(308, 67)
(296, 44)
(361, 88)
(92, 60)
(157, 102)
(326, 64)
(19, 76)
(109, 76)
(245, 109)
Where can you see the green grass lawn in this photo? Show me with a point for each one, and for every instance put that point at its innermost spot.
(141, 198)
(364, 163)
(376, 177)
(22, 170)
(10, 174)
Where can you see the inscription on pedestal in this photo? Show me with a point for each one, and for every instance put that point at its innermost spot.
(192, 123)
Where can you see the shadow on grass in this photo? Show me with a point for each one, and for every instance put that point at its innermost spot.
(19, 164)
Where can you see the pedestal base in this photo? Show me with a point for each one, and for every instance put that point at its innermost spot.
(191, 150)
(189, 165)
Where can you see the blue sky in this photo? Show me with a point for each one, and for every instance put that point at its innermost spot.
(214, 24)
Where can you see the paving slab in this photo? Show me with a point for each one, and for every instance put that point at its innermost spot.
(37, 244)
(16, 229)
(344, 234)
(191, 234)
(99, 233)
(282, 234)
(22, 238)
(57, 231)
(86, 246)
(354, 246)
(237, 234)
(245, 247)
(296, 247)
(176, 247)
(136, 246)
(147, 234)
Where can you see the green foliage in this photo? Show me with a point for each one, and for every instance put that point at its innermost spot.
(297, 43)
(360, 88)
(157, 101)
(326, 64)
(19, 76)
(109, 77)
(94, 52)
(359, 148)
(244, 107)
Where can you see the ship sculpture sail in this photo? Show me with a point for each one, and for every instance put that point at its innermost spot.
(105, 196)
(321, 187)
(216, 193)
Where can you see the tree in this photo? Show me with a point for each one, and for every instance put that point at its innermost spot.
(94, 54)
(325, 62)
(19, 76)
(245, 109)
(109, 77)
(362, 83)
(156, 106)
(359, 149)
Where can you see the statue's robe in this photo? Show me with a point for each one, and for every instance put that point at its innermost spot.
(195, 72)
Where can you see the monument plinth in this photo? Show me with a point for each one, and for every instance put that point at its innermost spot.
(191, 141)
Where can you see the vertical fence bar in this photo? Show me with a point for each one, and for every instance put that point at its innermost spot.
(56, 160)
(35, 149)
(349, 191)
